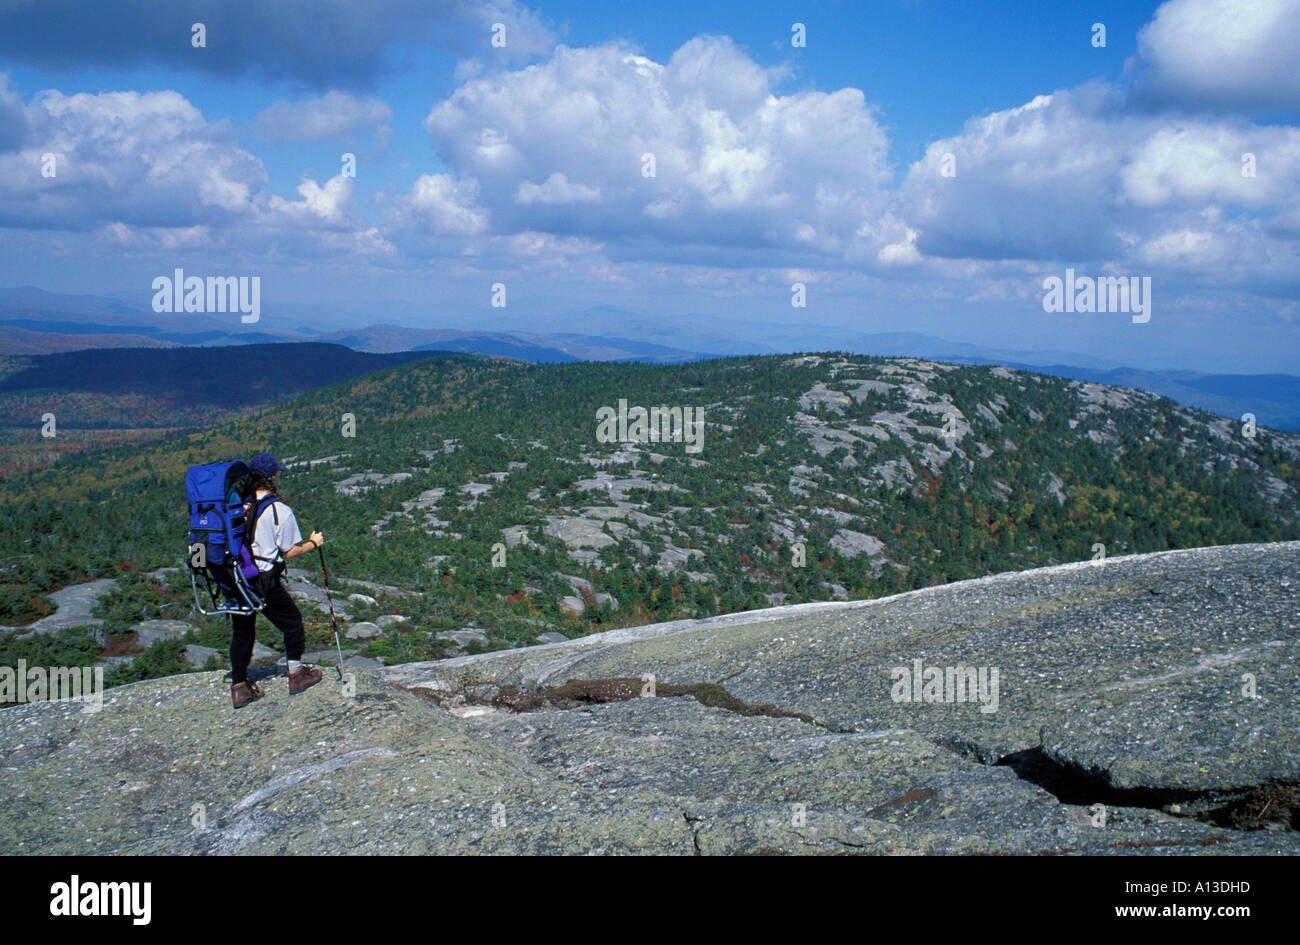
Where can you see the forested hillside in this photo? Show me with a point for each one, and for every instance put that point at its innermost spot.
(891, 474)
(127, 396)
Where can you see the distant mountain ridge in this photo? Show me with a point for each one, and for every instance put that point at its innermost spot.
(34, 321)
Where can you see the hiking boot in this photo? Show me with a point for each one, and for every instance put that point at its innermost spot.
(242, 693)
(306, 677)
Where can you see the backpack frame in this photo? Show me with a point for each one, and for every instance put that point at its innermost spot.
(220, 553)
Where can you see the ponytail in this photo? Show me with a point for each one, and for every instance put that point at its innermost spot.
(260, 482)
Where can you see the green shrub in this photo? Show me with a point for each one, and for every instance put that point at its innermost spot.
(74, 646)
(164, 658)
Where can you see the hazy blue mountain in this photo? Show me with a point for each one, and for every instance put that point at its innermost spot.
(33, 320)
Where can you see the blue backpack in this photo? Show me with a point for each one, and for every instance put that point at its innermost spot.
(220, 558)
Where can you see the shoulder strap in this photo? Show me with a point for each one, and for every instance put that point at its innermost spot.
(259, 506)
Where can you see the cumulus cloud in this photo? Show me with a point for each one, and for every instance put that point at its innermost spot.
(1191, 164)
(319, 205)
(549, 166)
(1221, 54)
(335, 115)
(324, 44)
(1164, 173)
(440, 206)
(140, 158)
(556, 189)
(1078, 176)
(746, 176)
(1028, 183)
(696, 151)
(147, 173)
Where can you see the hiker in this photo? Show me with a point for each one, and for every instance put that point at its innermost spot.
(275, 538)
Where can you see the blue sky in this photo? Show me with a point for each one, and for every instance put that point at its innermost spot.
(822, 165)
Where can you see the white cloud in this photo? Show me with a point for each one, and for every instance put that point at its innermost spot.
(141, 158)
(1222, 53)
(149, 174)
(1183, 247)
(443, 206)
(898, 254)
(736, 166)
(541, 168)
(319, 205)
(556, 189)
(1079, 177)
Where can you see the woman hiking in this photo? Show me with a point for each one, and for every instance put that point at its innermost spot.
(276, 538)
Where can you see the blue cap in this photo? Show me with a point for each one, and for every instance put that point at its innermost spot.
(265, 465)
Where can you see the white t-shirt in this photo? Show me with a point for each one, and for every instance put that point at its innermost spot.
(270, 536)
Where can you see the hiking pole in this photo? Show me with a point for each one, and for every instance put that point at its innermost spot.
(330, 597)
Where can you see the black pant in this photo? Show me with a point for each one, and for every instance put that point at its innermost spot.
(281, 611)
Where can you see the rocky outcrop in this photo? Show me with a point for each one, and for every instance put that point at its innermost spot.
(364, 630)
(1143, 704)
(149, 632)
(73, 607)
